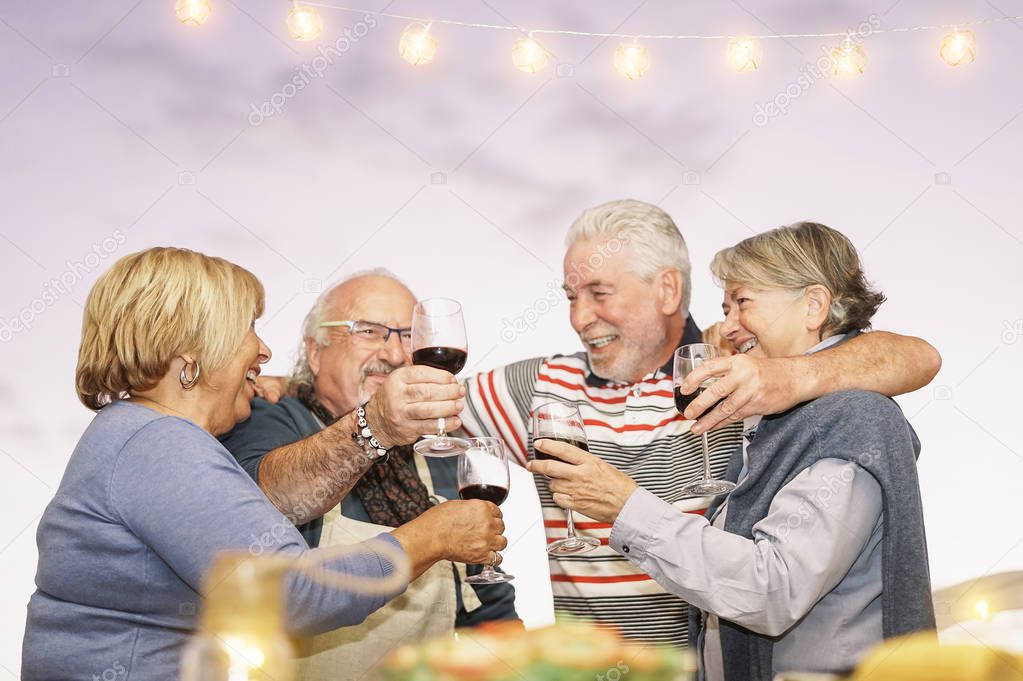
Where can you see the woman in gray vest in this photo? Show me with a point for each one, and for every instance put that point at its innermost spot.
(819, 553)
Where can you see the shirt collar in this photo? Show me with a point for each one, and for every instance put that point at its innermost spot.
(830, 341)
(691, 334)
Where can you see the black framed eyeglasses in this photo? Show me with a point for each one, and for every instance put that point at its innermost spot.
(371, 333)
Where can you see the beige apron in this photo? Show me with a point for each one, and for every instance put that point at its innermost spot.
(426, 610)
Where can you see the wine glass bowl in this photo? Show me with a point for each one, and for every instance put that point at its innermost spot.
(687, 359)
(483, 474)
(562, 422)
(439, 341)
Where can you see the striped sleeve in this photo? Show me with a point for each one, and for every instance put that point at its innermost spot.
(498, 404)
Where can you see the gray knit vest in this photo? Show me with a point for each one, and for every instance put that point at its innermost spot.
(869, 430)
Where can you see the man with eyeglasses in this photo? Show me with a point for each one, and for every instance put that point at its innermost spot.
(357, 351)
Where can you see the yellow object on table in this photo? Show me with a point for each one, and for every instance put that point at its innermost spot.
(921, 657)
(565, 652)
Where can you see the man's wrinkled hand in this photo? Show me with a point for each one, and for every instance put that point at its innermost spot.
(745, 386)
(409, 403)
(583, 482)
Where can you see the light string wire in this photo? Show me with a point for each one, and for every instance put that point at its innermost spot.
(655, 36)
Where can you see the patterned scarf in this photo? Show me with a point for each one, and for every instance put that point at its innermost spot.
(391, 490)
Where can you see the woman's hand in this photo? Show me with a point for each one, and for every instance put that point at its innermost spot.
(583, 482)
(468, 531)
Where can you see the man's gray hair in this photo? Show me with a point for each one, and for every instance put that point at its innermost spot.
(650, 234)
(321, 309)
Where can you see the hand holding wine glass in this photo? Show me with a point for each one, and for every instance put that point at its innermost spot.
(687, 359)
(483, 474)
(561, 421)
(439, 341)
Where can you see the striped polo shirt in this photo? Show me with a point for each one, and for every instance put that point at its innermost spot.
(635, 428)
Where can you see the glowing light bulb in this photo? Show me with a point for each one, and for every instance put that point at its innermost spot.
(192, 12)
(983, 610)
(417, 46)
(959, 48)
(632, 60)
(304, 23)
(744, 54)
(529, 55)
(849, 60)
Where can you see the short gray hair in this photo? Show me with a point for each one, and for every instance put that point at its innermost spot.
(647, 230)
(302, 375)
(800, 255)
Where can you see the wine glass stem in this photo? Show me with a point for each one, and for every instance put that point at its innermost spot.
(571, 526)
(706, 458)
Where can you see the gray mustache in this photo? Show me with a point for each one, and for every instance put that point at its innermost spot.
(378, 368)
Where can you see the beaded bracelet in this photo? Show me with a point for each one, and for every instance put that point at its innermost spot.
(364, 437)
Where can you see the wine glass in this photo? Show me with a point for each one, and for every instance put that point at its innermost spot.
(562, 422)
(483, 474)
(438, 341)
(687, 358)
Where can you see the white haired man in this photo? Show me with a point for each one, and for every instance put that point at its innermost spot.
(627, 277)
(356, 352)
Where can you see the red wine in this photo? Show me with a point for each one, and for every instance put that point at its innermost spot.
(542, 456)
(683, 401)
(447, 359)
(492, 493)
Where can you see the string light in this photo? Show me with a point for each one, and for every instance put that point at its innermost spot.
(529, 56)
(643, 36)
(632, 60)
(744, 54)
(959, 48)
(304, 22)
(983, 610)
(192, 12)
(849, 60)
(417, 46)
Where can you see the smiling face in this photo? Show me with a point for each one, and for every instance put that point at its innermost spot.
(628, 326)
(348, 371)
(233, 386)
(773, 322)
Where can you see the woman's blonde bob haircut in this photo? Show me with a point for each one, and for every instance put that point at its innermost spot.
(155, 305)
(801, 255)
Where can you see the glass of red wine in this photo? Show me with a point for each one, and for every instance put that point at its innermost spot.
(687, 358)
(438, 341)
(483, 474)
(562, 422)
